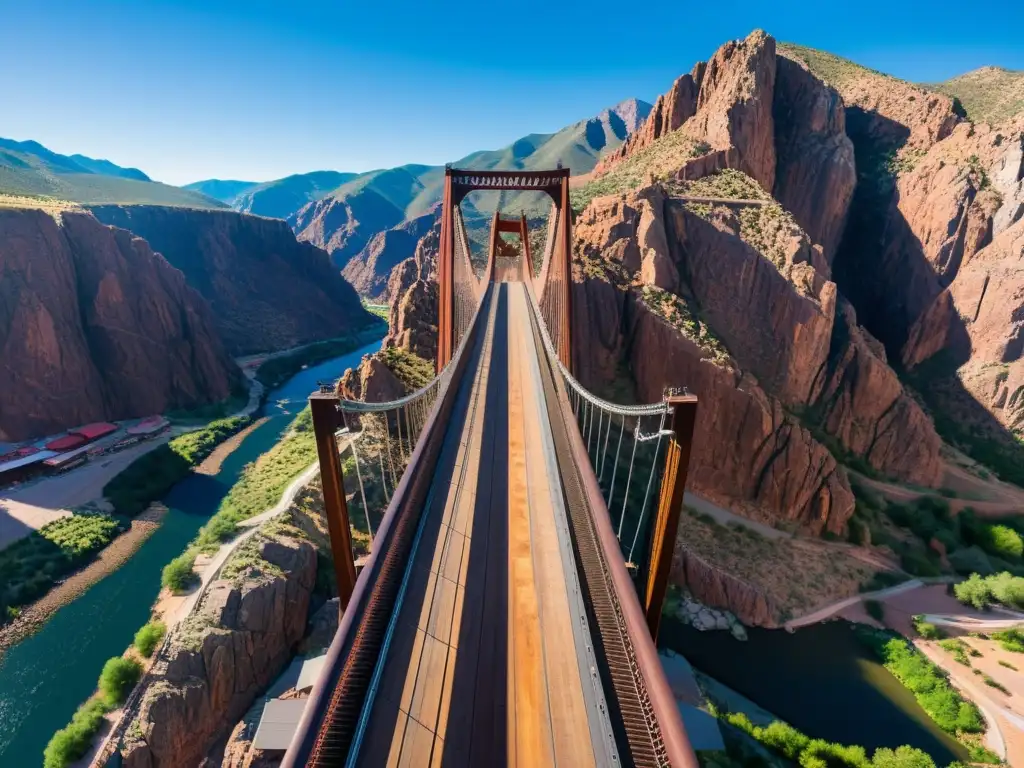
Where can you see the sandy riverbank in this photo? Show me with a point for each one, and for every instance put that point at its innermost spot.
(112, 557)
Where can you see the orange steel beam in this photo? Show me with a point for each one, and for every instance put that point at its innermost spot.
(524, 236)
(565, 287)
(495, 235)
(445, 278)
(324, 408)
(670, 506)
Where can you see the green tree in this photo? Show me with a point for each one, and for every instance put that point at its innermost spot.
(974, 591)
(118, 677)
(148, 636)
(783, 738)
(902, 757)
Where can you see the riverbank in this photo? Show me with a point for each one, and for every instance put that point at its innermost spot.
(62, 674)
(112, 557)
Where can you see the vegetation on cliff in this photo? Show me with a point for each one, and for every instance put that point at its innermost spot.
(655, 162)
(119, 676)
(990, 95)
(153, 474)
(257, 490)
(30, 566)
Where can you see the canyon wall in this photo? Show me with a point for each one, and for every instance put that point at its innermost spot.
(94, 326)
(236, 642)
(267, 290)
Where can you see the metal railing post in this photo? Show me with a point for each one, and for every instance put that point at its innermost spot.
(670, 506)
(326, 421)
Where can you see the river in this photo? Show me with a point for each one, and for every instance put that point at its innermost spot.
(45, 677)
(819, 679)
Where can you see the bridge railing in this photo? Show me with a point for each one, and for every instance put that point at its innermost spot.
(402, 440)
(632, 671)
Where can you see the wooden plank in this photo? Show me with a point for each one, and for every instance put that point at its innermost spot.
(569, 717)
(529, 720)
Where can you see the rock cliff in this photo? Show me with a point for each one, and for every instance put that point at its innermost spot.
(267, 290)
(412, 290)
(96, 326)
(232, 647)
(370, 269)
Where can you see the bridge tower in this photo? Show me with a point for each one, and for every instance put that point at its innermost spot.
(554, 285)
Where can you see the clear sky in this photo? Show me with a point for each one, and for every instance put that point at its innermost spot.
(258, 90)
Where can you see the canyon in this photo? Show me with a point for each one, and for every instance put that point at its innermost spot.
(96, 326)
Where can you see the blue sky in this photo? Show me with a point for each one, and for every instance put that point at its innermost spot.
(258, 90)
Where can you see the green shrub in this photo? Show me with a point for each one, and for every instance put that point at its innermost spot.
(943, 703)
(875, 610)
(149, 636)
(1008, 665)
(783, 738)
(971, 560)
(32, 565)
(70, 743)
(981, 754)
(995, 684)
(926, 630)
(119, 676)
(1011, 640)
(1003, 541)
(822, 754)
(177, 575)
(902, 757)
(959, 650)
(975, 591)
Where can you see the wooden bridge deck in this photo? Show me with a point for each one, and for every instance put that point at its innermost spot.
(487, 664)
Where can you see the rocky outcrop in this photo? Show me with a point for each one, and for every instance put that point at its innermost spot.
(777, 327)
(241, 637)
(95, 326)
(727, 315)
(864, 406)
(715, 588)
(370, 269)
(372, 382)
(979, 321)
(267, 290)
(815, 173)
(670, 111)
(734, 104)
(412, 288)
(343, 225)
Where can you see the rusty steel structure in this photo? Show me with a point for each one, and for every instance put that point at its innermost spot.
(505, 335)
(555, 283)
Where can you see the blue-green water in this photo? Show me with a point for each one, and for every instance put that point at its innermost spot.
(46, 677)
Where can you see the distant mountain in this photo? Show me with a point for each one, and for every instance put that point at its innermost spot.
(276, 199)
(344, 221)
(29, 168)
(225, 190)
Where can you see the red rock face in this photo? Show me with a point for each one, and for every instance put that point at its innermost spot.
(778, 328)
(749, 454)
(369, 270)
(95, 326)
(980, 320)
(412, 288)
(343, 226)
(734, 105)
(267, 290)
(815, 174)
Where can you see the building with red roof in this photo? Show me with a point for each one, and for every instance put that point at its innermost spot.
(66, 443)
(95, 431)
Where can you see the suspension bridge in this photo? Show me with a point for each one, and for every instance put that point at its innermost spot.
(522, 534)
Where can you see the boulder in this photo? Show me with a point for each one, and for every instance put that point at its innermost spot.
(238, 641)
